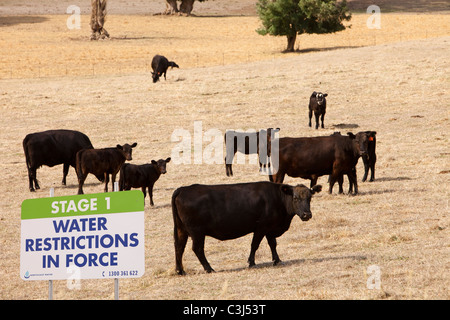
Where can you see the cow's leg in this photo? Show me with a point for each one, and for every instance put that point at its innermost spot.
(150, 193)
(106, 181)
(322, 118)
(32, 179)
(372, 171)
(198, 246)
(257, 237)
(310, 117)
(366, 168)
(340, 183)
(81, 179)
(144, 192)
(273, 247)
(353, 181)
(228, 163)
(316, 115)
(350, 184)
(180, 240)
(277, 177)
(313, 181)
(66, 167)
(229, 170)
(333, 178)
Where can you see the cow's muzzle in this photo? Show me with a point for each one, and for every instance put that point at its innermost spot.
(305, 216)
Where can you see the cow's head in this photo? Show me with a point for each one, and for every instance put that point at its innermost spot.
(155, 76)
(299, 199)
(127, 150)
(320, 97)
(160, 165)
(361, 141)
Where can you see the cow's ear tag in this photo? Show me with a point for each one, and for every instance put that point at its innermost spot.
(370, 138)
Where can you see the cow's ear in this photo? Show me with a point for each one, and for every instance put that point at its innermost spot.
(134, 145)
(168, 159)
(325, 95)
(314, 94)
(119, 147)
(351, 135)
(154, 162)
(317, 188)
(287, 189)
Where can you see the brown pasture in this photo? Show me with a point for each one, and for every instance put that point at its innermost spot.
(394, 81)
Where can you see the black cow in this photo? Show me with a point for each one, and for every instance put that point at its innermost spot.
(51, 148)
(160, 65)
(370, 159)
(231, 211)
(142, 176)
(249, 143)
(318, 104)
(310, 158)
(102, 162)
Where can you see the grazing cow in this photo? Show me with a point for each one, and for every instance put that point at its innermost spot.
(102, 162)
(51, 148)
(231, 211)
(248, 143)
(318, 104)
(310, 158)
(160, 65)
(142, 176)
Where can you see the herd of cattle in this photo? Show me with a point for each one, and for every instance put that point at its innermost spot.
(226, 211)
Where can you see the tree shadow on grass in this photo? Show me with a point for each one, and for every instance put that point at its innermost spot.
(6, 21)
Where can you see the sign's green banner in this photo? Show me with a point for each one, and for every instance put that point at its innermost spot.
(69, 206)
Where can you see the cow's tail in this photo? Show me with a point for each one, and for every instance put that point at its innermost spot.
(177, 224)
(78, 168)
(122, 177)
(27, 154)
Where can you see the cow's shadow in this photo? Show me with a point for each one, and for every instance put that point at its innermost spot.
(288, 263)
(382, 179)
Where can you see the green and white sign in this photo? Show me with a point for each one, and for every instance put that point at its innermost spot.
(92, 236)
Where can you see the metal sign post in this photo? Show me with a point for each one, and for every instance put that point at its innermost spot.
(116, 280)
(50, 282)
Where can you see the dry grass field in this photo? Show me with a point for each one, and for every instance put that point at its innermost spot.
(232, 78)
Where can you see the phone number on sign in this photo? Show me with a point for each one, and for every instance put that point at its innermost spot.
(121, 273)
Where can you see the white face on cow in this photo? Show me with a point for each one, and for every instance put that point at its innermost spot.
(301, 199)
(320, 98)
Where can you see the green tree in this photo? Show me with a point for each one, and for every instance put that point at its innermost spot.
(294, 17)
